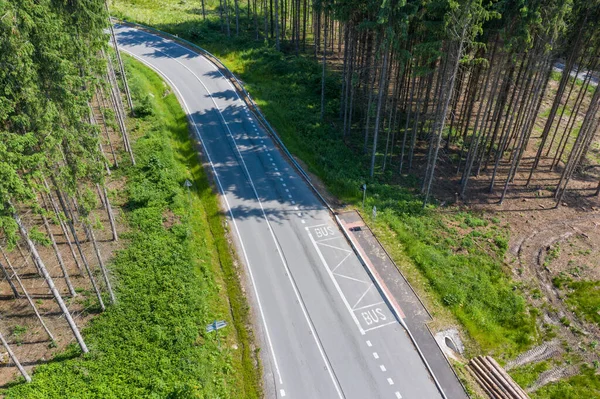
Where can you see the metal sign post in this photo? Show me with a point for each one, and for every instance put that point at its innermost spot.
(216, 326)
(188, 184)
(364, 189)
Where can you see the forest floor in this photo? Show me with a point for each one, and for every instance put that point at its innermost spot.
(478, 266)
(173, 273)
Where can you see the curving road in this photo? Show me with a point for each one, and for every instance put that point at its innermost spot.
(326, 331)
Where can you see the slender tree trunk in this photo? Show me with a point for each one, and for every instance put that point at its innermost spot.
(119, 110)
(120, 62)
(221, 14)
(540, 88)
(227, 24)
(101, 263)
(61, 263)
(7, 276)
(31, 303)
(475, 137)
(323, 74)
(62, 224)
(14, 359)
(370, 94)
(392, 106)
(277, 44)
(413, 134)
(109, 212)
(570, 124)
(237, 18)
(81, 254)
(585, 134)
(378, 114)
(442, 118)
(50, 282)
(408, 111)
(102, 106)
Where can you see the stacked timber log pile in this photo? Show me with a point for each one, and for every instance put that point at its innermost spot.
(494, 380)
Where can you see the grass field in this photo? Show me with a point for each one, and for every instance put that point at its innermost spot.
(583, 386)
(583, 296)
(175, 276)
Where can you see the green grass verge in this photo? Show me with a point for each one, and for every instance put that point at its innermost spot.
(525, 376)
(174, 276)
(462, 269)
(585, 385)
(582, 296)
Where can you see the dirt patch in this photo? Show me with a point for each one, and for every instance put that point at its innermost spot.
(170, 219)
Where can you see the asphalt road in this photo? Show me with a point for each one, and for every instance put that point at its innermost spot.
(326, 330)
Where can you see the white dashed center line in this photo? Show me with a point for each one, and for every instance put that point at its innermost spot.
(382, 367)
(282, 391)
(375, 355)
(369, 344)
(398, 396)
(390, 381)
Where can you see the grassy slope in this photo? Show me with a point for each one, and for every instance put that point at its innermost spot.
(174, 277)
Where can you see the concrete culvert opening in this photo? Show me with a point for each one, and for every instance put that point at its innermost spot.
(450, 344)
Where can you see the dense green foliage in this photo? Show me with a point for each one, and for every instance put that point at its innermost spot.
(173, 276)
(48, 71)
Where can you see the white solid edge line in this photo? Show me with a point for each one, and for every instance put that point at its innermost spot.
(304, 311)
(188, 115)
